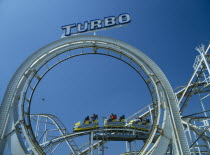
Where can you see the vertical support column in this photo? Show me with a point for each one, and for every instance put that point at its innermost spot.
(199, 151)
(102, 150)
(91, 143)
(128, 147)
(37, 127)
(135, 147)
(134, 133)
(188, 130)
(99, 148)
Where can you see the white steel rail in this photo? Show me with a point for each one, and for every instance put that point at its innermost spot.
(14, 97)
(198, 85)
(61, 128)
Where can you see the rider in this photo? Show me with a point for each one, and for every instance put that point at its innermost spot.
(87, 120)
(94, 117)
(112, 117)
(144, 122)
(137, 120)
(147, 122)
(121, 118)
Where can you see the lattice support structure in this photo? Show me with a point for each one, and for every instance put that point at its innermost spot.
(196, 124)
(15, 110)
(47, 127)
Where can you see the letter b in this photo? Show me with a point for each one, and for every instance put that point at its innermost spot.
(109, 21)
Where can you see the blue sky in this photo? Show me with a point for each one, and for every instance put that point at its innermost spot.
(166, 31)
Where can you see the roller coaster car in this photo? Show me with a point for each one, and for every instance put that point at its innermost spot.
(86, 126)
(114, 123)
(139, 125)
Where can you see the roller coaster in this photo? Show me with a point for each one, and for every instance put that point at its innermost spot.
(113, 131)
(138, 123)
(171, 129)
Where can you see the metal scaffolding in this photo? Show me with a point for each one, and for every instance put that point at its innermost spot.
(173, 130)
(196, 96)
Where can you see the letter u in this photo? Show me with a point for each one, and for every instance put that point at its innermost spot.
(82, 27)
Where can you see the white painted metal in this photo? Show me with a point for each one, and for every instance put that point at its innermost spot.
(198, 82)
(18, 86)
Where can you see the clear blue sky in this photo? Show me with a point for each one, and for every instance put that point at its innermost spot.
(166, 31)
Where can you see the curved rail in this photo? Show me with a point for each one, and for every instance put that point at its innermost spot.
(126, 133)
(162, 93)
(138, 135)
(61, 128)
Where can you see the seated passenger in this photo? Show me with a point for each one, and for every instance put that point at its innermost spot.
(94, 118)
(147, 122)
(144, 122)
(111, 118)
(137, 120)
(114, 118)
(122, 118)
(87, 120)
